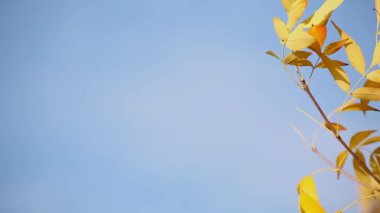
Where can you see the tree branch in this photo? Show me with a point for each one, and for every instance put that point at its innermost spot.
(306, 88)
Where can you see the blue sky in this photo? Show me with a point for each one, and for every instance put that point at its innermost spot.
(158, 106)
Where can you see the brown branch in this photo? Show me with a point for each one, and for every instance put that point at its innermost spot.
(306, 88)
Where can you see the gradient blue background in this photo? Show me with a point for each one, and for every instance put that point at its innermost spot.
(159, 106)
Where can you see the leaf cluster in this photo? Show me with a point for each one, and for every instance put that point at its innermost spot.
(304, 40)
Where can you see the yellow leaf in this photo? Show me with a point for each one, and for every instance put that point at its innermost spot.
(301, 62)
(357, 138)
(296, 55)
(334, 127)
(308, 204)
(287, 4)
(307, 185)
(371, 141)
(319, 33)
(353, 51)
(340, 77)
(374, 76)
(359, 107)
(370, 83)
(299, 39)
(298, 58)
(340, 161)
(302, 54)
(334, 47)
(359, 171)
(367, 93)
(322, 14)
(376, 55)
(281, 29)
(375, 162)
(271, 53)
(295, 12)
(334, 62)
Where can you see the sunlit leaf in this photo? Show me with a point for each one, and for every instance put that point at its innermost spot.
(340, 77)
(296, 55)
(287, 4)
(308, 196)
(361, 106)
(376, 55)
(271, 53)
(353, 51)
(358, 169)
(374, 76)
(322, 14)
(340, 161)
(298, 58)
(371, 141)
(375, 162)
(357, 138)
(334, 47)
(281, 29)
(372, 84)
(367, 93)
(319, 33)
(295, 12)
(308, 204)
(299, 39)
(307, 185)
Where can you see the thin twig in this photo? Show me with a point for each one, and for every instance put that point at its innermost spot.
(315, 150)
(357, 201)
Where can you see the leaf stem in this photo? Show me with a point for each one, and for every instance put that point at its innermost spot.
(310, 117)
(357, 201)
(286, 67)
(312, 70)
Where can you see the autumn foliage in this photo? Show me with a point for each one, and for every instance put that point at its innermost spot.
(305, 51)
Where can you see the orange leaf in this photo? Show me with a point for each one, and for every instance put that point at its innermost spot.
(334, 127)
(319, 33)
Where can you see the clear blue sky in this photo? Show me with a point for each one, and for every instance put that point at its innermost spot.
(158, 106)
